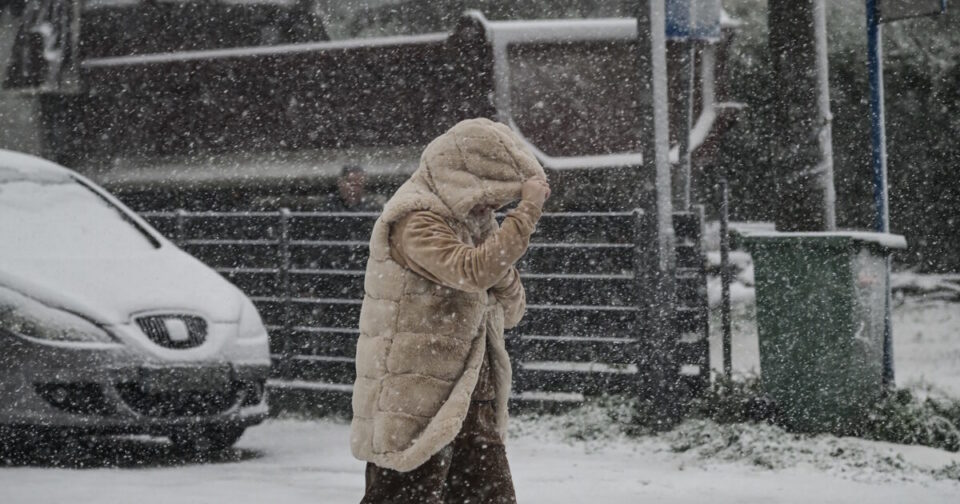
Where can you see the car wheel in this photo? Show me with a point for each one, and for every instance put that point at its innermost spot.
(206, 439)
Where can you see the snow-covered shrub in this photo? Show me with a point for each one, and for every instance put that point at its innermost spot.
(904, 418)
(901, 417)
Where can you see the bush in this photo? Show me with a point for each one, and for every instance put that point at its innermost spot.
(903, 418)
(900, 417)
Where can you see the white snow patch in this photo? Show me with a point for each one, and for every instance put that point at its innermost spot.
(926, 344)
(294, 461)
(740, 291)
(940, 286)
(886, 240)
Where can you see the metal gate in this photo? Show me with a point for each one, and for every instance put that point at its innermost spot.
(584, 332)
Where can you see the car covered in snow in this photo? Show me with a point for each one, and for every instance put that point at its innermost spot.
(107, 327)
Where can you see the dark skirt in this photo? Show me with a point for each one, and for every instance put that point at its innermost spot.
(471, 469)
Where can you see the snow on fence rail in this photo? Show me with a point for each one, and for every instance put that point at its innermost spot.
(585, 331)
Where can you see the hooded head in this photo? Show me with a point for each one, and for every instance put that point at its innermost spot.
(477, 162)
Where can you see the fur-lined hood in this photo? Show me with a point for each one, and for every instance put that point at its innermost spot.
(477, 161)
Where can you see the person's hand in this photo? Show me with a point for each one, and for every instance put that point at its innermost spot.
(535, 190)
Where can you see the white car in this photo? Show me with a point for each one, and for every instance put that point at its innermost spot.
(107, 327)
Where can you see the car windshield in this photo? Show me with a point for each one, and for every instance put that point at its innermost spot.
(54, 214)
(577, 98)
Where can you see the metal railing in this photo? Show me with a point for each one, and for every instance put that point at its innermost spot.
(583, 334)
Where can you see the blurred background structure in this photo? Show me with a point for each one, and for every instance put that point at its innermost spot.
(922, 72)
(241, 107)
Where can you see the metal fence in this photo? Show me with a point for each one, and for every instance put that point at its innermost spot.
(585, 331)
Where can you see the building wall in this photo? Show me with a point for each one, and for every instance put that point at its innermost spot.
(18, 113)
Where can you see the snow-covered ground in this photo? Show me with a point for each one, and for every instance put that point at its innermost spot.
(296, 461)
(571, 458)
(927, 344)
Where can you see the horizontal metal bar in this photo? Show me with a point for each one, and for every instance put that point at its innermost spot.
(309, 385)
(587, 214)
(329, 243)
(577, 276)
(262, 51)
(584, 307)
(201, 214)
(532, 337)
(249, 243)
(330, 272)
(579, 367)
(326, 330)
(361, 243)
(333, 272)
(247, 270)
(335, 214)
(578, 338)
(582, 245)
(534, 395)
(241, 214)
(347, 388)
(323, 330)
(322, 358)
(276, 213)
(274, 299)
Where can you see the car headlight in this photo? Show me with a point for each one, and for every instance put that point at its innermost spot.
(32, 320)
(250, 325)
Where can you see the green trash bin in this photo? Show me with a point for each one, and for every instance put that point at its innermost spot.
(820, 316)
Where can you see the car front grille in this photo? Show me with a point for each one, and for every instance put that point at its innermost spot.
(187, 403)
(158, 329)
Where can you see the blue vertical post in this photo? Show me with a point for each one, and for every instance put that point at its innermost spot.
(881, 221)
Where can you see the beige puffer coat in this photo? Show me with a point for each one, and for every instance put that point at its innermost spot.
(421, 344)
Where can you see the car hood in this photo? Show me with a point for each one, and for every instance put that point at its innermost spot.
(110, 289)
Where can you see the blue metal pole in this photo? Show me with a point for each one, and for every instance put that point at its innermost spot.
(881, 221)
(878, 133)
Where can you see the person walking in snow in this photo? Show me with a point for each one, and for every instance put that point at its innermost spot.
(433, 375)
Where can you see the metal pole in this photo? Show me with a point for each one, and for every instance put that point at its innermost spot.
(643, 286)
(687, 71)
(180, 231)
(725, 280)
(878, 131)
(878, 138)
(652, 42)
(285, 273)
(660, 311)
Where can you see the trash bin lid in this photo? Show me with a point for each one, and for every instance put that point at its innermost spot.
(881, 241)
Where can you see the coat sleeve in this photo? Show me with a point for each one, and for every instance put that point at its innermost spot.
(433, 250)
(510, 294)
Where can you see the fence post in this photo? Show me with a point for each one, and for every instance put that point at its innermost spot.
(656, 345)
(284, 270)
(641, 284)
(726, 278)
(180, 231)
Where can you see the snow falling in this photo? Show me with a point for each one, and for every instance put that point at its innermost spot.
(741, 283)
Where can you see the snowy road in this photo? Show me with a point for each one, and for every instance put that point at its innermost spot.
(291, 462)
(288, 461)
